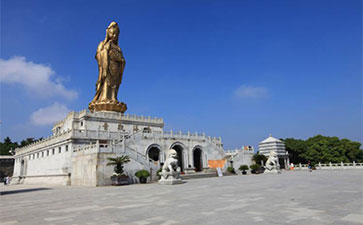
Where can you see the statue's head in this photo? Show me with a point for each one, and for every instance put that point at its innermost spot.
(273, 154)
(112, 32)
(173, 154)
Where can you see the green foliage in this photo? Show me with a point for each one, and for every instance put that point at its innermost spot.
(258, 158)
(323, 149)
(142, 173)
(255, 167)
(8, 144)
(243, 167)
(231, 169)
(118, 163)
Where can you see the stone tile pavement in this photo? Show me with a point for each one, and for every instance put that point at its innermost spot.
(299, 197)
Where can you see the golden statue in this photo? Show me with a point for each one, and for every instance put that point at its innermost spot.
(111, 65)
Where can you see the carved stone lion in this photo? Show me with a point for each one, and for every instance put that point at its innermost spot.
(171, 163)
(272, 163)
(170, 172)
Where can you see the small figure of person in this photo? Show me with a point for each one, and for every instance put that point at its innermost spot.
(309, 166)
(292, 166)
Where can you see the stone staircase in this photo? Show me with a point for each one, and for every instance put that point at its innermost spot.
(198, 175)
(133, 153)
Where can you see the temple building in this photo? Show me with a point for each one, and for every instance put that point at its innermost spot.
(274, 144)
(77, 152)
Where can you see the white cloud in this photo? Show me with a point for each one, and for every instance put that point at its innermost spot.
(38, 78)
(49, 115)
(245, 91)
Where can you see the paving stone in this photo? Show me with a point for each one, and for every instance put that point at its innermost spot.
(298, 197)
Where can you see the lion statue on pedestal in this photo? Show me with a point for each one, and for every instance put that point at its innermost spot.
(272, 165)
(170, 172)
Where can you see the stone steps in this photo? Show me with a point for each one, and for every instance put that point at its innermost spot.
(198, 175)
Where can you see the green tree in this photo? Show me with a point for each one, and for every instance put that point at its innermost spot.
(258, 158)
(323, 149)
(7, 145)
(296, 148)
(118, 163)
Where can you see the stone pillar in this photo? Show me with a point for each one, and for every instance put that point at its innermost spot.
(300, 166)
(330, 165)
(186, 158)
(319, 165)
(342, 165)
(354, 165)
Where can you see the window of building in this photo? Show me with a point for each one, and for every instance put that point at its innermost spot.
(59, 150)
(42, 154)
(53, 151)
(38, 155)
(66, 148)
(81, 123)
(47, 152)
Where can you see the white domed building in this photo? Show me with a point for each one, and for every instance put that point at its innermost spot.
(274, 144)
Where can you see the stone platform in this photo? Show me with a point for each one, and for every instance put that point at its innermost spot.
(297, 197)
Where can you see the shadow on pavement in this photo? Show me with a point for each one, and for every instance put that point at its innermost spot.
(22, 191)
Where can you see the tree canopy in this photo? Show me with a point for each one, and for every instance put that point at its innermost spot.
(323, 149)
(8, 144)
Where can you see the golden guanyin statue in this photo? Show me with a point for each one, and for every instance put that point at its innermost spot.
(111, 65)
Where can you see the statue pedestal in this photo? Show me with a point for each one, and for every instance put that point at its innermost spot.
(273, 171)
(107, 106)
(170, 178)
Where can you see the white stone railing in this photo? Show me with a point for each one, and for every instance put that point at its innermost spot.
(331, 166)
(97, 134)
(180, 135)
(116, 115)
(237, 151)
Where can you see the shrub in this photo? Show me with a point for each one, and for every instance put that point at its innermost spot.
(255, 168)
(118, 164)
(243, 167)
(142, 173)
(231, 169)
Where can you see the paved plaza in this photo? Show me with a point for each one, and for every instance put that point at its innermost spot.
(299, 197)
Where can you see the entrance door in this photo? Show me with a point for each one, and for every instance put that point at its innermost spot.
(197, 159)
(179, 151)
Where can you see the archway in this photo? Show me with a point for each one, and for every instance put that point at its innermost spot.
(179, 151)
(153, 152)
(197, 159)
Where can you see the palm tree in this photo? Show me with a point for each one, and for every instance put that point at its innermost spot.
(118, 162)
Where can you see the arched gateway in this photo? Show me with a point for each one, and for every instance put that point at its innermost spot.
(178, 147)
(197, 159)
(153, 152)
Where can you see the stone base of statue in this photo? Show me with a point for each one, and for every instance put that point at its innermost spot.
(107, 106)
(272, 171)
(170, 177)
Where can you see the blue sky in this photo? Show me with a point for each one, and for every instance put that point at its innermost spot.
(236, 69)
